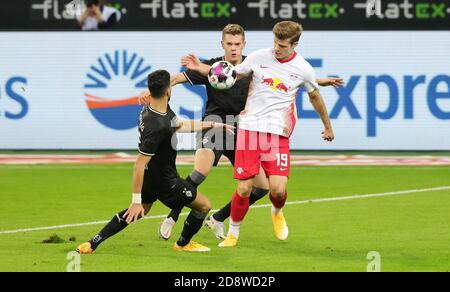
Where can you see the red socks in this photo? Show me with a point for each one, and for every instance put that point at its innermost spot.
(239, 207)
(278, 203)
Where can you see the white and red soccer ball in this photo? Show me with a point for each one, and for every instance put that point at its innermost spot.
(222, 75)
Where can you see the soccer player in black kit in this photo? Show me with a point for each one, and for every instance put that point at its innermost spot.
(155, 175)
(211, 145)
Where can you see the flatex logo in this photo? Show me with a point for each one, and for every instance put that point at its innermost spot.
(55, 9)
(64, 9)
(189, 9)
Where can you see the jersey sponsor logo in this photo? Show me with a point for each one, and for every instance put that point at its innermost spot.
(119, 76)
(275, 84)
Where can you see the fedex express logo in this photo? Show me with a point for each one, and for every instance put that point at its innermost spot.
(112, 82)
(437, 98)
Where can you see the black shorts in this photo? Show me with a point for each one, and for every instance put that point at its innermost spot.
(181, 194)
(220, 142)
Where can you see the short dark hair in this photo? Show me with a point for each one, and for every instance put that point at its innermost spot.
(92, 2)
(158, 82)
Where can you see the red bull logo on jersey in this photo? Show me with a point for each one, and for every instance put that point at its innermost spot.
(112, 83)
(276, 84)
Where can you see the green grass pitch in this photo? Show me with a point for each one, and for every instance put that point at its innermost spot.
(410, 231)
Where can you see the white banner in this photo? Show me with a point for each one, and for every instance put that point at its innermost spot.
(74, 90)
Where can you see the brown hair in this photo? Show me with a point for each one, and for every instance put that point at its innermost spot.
(288, 30)
(233, 29)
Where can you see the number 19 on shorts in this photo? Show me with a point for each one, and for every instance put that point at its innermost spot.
(282, 161)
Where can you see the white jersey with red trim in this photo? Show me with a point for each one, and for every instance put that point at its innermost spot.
(270, 106)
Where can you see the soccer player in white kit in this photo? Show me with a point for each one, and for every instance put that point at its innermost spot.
(268, 121)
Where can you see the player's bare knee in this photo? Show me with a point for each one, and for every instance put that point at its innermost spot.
(204, 205)
(204, 160)
(205, 208)
(203, 170)
(244, 189)
(278, 192)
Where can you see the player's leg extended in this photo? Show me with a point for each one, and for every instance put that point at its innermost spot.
(114, 226)
(278, 196)
(276, 164)
(204, 160)
(199, 210)
(246, 167)
(239, 207)
(259, 190)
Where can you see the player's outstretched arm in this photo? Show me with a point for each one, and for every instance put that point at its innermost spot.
(177, 79)
(331, 81)
(316, 100)
(136, 210)
(189, 126)
(192, 62)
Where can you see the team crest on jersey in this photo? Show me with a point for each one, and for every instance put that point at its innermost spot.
(239, 170)
(187, 193)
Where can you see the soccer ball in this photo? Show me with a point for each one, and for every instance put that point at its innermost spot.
(222, 75)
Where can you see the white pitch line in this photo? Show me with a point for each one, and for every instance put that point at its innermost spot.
(353, 197)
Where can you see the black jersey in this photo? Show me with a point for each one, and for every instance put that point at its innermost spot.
(222, 102)
(157, 133)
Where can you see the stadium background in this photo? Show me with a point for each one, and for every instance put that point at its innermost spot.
(397, 83)
(62, 89)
